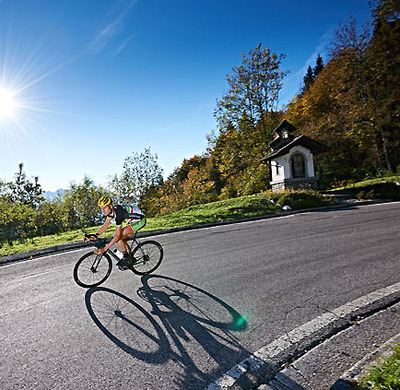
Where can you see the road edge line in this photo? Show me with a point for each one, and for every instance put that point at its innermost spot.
(268, 360)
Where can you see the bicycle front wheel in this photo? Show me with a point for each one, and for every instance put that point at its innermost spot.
(92, 270)
(147, 257)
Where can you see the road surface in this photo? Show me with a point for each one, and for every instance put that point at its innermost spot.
(220, 294)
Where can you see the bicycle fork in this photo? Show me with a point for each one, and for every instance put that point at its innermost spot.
(96, 263)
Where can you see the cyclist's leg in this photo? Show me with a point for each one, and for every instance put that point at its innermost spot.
(123, 263)
(127, 233)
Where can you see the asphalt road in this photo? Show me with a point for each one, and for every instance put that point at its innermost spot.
(220, 294)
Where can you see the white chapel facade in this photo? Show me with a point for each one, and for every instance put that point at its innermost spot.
(291, 159)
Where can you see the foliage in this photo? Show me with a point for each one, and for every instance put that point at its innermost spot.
(353, 105)
(230, 209)
(21, 219)
(298, 200)
(237, 153)
(254, 88)
(385, 376)
(193, 183)
(19, 201)
(246, 117)
(49, 218)
(79, 207)
(16, 221)
(23, 190)
(312, 74)
(140, 173)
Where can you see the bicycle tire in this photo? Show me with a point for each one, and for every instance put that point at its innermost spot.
(147, 257)
(86, 276)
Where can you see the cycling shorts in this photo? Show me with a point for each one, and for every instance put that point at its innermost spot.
(134, 226)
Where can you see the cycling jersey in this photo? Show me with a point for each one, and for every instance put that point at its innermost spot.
(126, 213)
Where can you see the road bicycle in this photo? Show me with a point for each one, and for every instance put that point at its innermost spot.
(91, 270)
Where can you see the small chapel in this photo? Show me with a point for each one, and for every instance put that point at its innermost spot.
(291, 159)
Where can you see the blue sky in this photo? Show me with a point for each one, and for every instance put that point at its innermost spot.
(95, 81)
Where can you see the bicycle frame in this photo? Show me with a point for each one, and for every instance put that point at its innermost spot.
(135, 243)
(146, 258)
(96, 263)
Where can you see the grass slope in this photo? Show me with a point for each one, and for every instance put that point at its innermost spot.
(226, 210)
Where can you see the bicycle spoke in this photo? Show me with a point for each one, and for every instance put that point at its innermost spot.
(92, 270)
(147, 257)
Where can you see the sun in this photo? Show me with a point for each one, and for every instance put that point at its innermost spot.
(8, 104)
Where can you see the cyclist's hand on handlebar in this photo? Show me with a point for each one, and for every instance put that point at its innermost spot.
(99, 251)
(90, 237)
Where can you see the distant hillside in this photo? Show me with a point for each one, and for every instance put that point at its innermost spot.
(52, 195)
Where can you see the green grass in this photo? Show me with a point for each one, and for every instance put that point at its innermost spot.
(226, 210)
(380, 188)
(384, 377)
(368, 182)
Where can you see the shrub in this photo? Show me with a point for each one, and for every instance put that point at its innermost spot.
(380, 191)
(302, 199)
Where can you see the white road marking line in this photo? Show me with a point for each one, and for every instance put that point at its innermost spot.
(24, 261)
(259, 358)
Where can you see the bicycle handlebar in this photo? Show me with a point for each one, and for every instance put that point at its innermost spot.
(90, 236)
(96, 241)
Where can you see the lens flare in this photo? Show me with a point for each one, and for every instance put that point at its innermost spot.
(8, 104)
(241, 322)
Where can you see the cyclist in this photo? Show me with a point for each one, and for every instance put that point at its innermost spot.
(128, 219)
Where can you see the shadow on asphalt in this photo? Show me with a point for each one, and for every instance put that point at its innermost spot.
(333, 209)
(177, 315)
(172, 316)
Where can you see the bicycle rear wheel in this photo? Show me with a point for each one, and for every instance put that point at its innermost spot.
(92, 270)
(147, 257)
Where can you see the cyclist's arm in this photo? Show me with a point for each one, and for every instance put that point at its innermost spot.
(103, 228)
(116, 238)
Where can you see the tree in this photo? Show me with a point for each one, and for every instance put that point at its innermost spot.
(312, 74)
(319, 66)
(245, 115)
(353, 104)
(383, 56)
(254, 88)
(373, 64)
(140, 173)
(24, 191)
(16, 221)
(237, 153)
(79, 206)
(308, 79)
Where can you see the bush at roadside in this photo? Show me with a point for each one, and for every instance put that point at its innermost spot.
(380, 191)
(298, 200)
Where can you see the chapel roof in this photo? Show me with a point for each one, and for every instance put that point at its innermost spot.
(302, 140)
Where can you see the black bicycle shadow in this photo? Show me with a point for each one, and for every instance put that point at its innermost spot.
(190, 315)
(180, 314)
(121, 319)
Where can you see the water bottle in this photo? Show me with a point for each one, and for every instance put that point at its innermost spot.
(118, 253)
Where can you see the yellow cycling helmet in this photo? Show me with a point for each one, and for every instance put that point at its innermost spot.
(104, 201)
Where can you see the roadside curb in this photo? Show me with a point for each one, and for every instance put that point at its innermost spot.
(362, 367)
(79, 245)
(295, 375)
(264, 365)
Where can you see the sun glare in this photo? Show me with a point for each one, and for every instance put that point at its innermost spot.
(8, 104)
